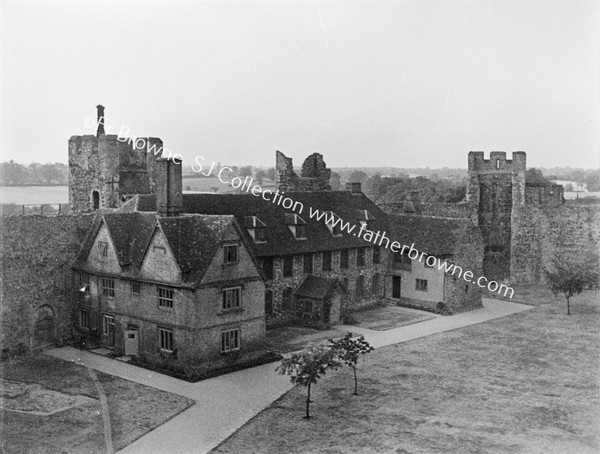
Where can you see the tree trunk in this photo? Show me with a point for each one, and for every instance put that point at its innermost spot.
(307, 403)
(355, 382)
(568, 307)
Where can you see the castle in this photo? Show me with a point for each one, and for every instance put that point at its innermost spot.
(131, 242)
(105, 170)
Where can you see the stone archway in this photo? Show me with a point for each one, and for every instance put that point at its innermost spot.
(44, 329)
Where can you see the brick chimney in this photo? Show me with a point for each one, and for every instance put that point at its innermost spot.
(100, 130)
(168, 190)
(354, 188)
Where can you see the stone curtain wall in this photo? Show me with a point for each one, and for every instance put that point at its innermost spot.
(539, 232)
(37, 253)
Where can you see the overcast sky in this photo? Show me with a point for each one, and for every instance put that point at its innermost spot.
(370, 83)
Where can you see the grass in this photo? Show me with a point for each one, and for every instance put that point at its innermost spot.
(134, 409)
(527, 383)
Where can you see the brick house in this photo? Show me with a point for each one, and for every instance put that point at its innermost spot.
(165, 284)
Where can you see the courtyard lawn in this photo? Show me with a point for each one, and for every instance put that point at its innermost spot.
(37, 384)
(527, 383)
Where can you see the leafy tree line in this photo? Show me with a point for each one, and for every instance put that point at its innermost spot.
(396, 189)
(34, 174)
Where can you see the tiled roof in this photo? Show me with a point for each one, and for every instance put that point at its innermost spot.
(315, 287)
(130, 232)
(279, 238)
(432, 235)
(193, 239)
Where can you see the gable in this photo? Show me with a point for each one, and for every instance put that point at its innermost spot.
(159, 263)
(102, 257)
(244, 268)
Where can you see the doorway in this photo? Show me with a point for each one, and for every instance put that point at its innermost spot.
(109, 330)
(131, 341)
(95, 200)
(396, 286)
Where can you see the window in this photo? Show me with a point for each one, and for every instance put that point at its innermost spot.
(288, 266)
(344, 259)
(287, 298)
(376, 255)
(165, 297)
(103, 248)
(308, 263)
(360, 257)
(402, 261)
(84, 318)
(296, 224)
(256, 228)
(421, 285)
(108, 325)
(230, 253)
(82, 279)
(160, 249)
(232, 298)
(426, 264)
(135, 287)
(360, 286)
(230, 340)
(108, 288)
(333, 223)
(327, 260)
(375, 284)
(307, 307)
(268, 302)
(260, 235)
(267, 267)
(165, 339)
(300, 232)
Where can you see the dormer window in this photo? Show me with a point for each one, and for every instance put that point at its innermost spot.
(256, 228)
(296, 224)
(364, 217)
(333, 221)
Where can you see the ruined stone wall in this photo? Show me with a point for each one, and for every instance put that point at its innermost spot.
(37, 253)
(314, 176)
(540, 232)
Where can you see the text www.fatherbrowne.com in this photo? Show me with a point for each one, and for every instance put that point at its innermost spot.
(331, 219)
(335, 222)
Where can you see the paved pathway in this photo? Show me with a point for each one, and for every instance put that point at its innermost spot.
(225, 403)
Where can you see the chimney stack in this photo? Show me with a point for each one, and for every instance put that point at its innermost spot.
(412, 204)
(354, 188)
(100, 130)
(168, 190)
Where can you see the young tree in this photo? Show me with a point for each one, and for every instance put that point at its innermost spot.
(348, 349)
(307, 366)
(570, 277)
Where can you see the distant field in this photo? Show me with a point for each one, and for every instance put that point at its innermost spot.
(22, 195)
(214, 185)
(37, 195)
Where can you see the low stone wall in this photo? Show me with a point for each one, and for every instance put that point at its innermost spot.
(37, 252)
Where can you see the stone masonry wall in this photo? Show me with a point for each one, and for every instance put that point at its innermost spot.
(37, 253)
(539, 232)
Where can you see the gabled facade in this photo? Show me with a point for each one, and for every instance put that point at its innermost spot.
(184, 287)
